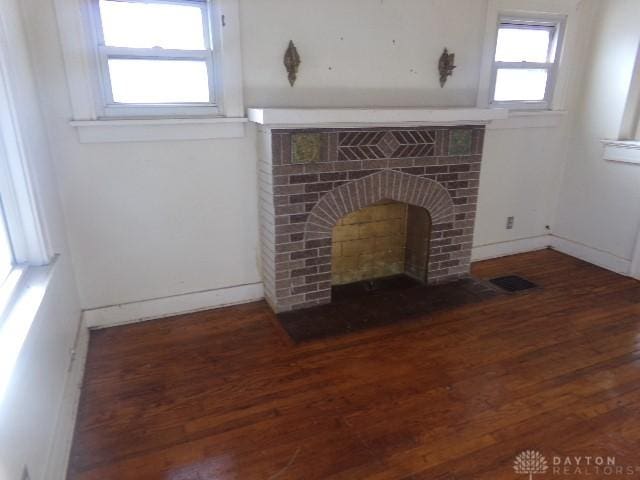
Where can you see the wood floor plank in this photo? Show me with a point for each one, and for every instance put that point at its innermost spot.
(452, 395)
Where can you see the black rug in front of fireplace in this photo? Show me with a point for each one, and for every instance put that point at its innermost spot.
(364, 305)
(513, 283)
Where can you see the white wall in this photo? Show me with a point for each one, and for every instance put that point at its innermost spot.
(148, 220)
(600, 201)
(519, 178)
(362, 52)
(28, 409)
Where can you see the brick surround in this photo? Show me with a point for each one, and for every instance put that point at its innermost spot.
(310, 178)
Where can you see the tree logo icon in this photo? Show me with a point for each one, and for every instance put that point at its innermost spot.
(530, 463)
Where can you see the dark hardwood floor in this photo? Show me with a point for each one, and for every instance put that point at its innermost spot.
(455, 395)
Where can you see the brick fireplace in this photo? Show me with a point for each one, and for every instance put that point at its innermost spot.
(347, 204)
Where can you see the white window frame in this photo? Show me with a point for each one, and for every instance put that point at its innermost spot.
(113, 109)
(626, 148)
(28, 237)
(76, 21)
(556, 27)
(630, 128)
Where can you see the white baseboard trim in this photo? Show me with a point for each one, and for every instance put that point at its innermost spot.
(174, 305)
(58, 460)
(592, 255)
(512, 247)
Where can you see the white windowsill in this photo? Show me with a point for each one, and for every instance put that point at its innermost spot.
(158, 129)
(27, 296)
(624, 151)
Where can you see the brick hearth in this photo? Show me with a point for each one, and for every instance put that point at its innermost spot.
(310, 178)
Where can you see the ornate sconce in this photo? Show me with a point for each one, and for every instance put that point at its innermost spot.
(292, 62)
(446, 66)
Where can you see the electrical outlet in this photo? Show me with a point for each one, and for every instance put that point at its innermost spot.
(25, 474)
(510, 221)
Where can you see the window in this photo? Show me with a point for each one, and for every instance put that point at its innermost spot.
(22, 236)
(7, 257)
(153, 70)
(156, 57)
(6, 252)
(10, 229)
(630, 128)
(626, 147)
(524, 66)
(10, 271)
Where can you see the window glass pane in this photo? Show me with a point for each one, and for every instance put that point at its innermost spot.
(513, 84)
(6, 256)
(159, 81)
(148, 25)
(523, 45)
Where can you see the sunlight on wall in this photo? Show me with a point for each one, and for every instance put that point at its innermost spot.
(13, 331)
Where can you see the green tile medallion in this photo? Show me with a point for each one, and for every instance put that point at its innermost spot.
(459, 142)
(306, 147)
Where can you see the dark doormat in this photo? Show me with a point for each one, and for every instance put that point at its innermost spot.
(365, 305)
(513, 283)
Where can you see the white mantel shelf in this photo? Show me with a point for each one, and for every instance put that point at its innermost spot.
(348, 117)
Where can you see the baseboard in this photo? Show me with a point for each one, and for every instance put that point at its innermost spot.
(168, 306)
(58, 460)
(512, 247)
(592, 255)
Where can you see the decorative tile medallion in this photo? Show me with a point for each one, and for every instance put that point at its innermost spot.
(368, 145)
(460, 142)
(306, 147)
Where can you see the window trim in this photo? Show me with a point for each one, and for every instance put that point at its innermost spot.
(626, 148)
(27, 233)
(556, 27)
(568, 54)
(28, 237)
(81, 66)
(630, 127)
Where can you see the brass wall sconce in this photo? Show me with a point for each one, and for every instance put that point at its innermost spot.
(292, 62)
(446, 66)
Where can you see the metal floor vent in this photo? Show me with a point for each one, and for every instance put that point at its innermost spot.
(513, 283)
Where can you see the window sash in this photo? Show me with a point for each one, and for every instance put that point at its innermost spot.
(535, 104)
(105, 52)
(156, 54)
(552, 28)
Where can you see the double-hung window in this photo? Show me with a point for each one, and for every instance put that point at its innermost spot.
(156, 57)
(13, 254)
(10, 230)
(525, 62)
(6, 251)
